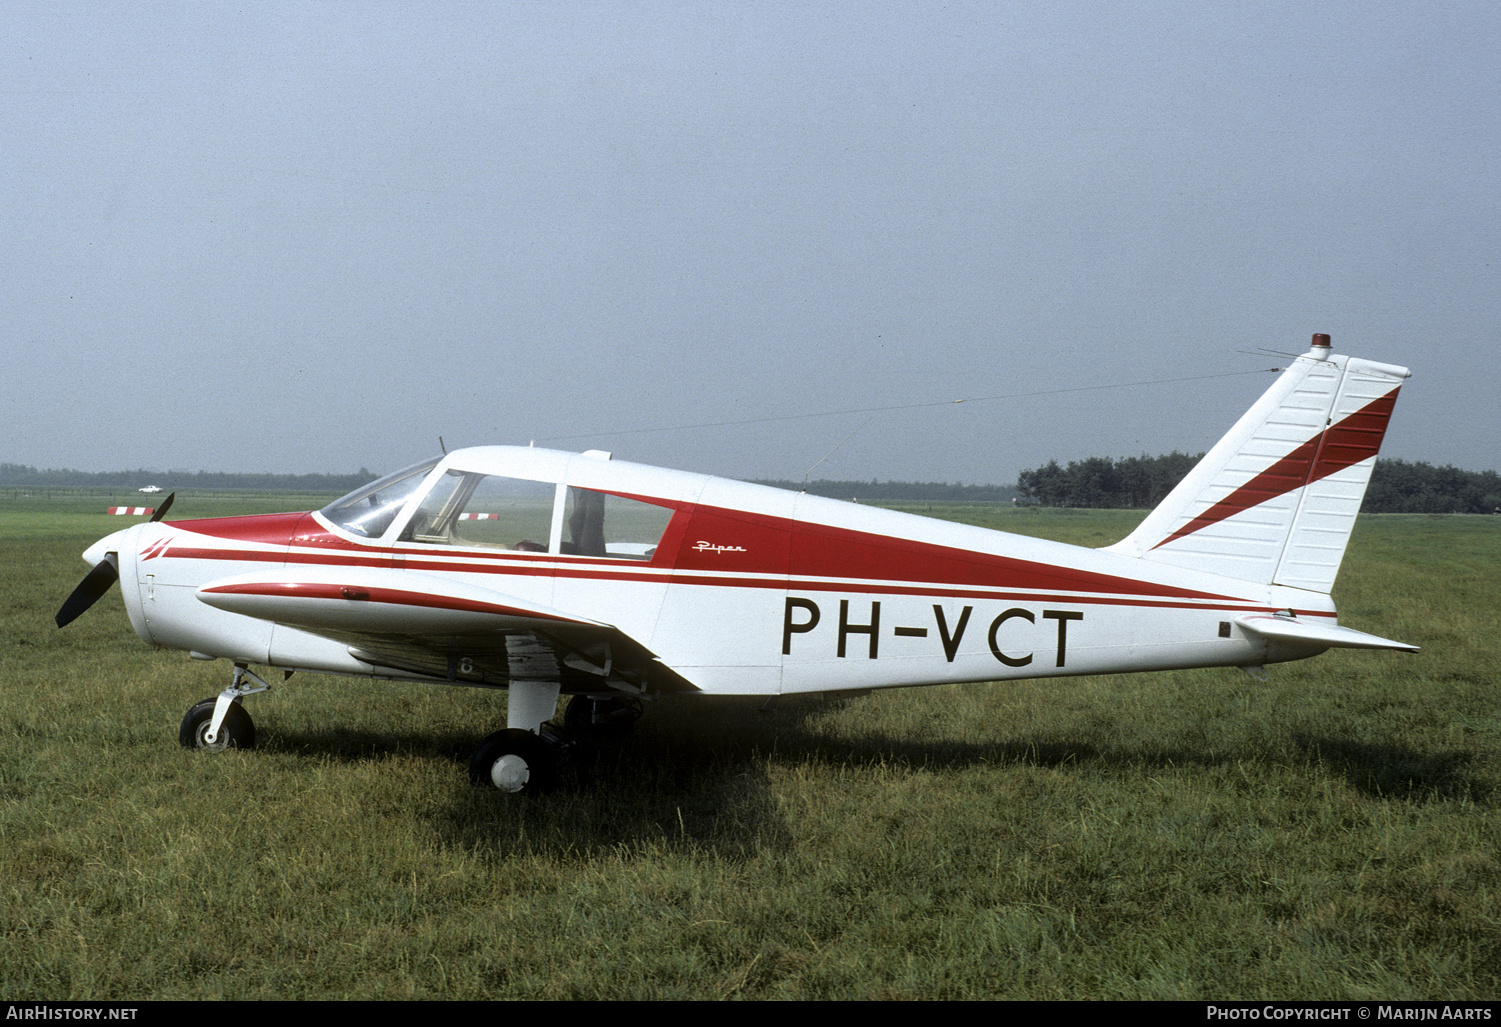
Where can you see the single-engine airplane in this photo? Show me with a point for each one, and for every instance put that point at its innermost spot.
(551, 573)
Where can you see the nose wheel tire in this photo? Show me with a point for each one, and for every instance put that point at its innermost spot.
(514, 761)
(237, 731)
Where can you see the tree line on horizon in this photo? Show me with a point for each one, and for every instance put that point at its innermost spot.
(23, 476)
(1135, 482)
(1142, 482)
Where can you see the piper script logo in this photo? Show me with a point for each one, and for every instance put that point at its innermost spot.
(710, 547)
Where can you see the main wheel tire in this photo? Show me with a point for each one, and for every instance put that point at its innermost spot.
(237, 731)
(514, 761)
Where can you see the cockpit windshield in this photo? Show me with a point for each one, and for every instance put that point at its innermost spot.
(369, 509)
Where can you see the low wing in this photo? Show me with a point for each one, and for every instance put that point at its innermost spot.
(445, 629)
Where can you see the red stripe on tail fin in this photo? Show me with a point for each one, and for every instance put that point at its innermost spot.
(1356, 438)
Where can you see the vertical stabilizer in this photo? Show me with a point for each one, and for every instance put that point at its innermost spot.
(1275, 500)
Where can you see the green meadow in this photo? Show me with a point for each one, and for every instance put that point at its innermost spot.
(1331, 832)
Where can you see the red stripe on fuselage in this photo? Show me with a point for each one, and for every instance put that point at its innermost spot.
(275, 529)
(822, 551)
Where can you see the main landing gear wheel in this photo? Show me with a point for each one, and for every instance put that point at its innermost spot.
(514, 760)
(238, 730)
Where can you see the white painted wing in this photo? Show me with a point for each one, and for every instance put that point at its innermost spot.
(435, 625)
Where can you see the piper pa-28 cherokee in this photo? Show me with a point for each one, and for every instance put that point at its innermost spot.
(550, 573)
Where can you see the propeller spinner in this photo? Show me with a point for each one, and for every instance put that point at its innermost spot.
(98, 581)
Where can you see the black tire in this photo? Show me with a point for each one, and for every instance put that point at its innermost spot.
(237, 731)
(514, 761)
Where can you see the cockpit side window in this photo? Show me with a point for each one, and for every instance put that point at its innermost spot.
(485, 510)
(601, 524)
(511, 512)
(433, 520)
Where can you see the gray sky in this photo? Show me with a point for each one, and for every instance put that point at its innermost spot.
(314, 237)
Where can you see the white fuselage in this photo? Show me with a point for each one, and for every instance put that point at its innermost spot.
(746, 590)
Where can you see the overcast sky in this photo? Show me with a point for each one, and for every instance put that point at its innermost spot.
(316, 236)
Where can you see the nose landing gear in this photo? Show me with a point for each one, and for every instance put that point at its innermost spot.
(221, 722)
(237, 731)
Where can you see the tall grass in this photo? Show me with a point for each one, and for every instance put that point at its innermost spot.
(1330, 833)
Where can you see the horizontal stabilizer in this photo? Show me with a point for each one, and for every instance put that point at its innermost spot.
(1290, 629)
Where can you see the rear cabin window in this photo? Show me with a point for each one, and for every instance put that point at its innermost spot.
(599, 524)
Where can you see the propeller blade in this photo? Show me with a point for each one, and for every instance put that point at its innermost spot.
(161, 511)
(93, 585)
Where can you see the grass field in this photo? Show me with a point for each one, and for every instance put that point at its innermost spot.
(1330, 833)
